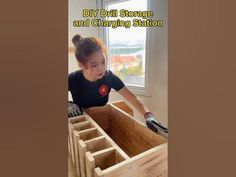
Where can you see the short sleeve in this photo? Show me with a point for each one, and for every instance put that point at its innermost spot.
(117, 83)
(69, 82)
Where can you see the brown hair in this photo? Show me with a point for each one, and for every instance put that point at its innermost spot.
(84, 47)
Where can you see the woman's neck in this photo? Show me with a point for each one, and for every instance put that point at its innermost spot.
(88, 77)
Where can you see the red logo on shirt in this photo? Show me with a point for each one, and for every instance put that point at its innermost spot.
(103, 90)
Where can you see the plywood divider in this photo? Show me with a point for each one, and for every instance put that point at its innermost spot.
(82, 150)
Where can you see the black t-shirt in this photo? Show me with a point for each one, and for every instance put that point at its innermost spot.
(89, 94)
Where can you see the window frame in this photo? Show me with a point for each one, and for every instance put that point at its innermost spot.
(103, 34)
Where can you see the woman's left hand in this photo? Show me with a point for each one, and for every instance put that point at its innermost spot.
(155, 126)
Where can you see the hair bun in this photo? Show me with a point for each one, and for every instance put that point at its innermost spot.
(76, 39)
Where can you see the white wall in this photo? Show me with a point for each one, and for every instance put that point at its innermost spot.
(75, 12)
(157, 102)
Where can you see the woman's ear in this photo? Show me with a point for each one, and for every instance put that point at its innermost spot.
(83, 66)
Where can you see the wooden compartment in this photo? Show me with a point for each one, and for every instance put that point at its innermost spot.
(147, 150)
(72, 122)
(84, 134)
(130, 135)
(151, 163)
(109, 142)
(102, 159)
(92, 145)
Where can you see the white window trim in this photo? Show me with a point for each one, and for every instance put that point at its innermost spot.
(103, 34)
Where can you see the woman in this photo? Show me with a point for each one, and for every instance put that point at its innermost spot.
(91, 85)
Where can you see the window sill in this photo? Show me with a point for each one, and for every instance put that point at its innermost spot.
(140, 91)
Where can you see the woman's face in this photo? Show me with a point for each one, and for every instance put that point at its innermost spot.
(96, 66)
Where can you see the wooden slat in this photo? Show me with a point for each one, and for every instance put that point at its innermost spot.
(82, 150)
(94, 139)
(69, 151)
(76, 138)
(90, 164)
(71, 128)
(98, 172)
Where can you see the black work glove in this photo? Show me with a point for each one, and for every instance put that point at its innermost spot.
(73, 110)
(156, 126)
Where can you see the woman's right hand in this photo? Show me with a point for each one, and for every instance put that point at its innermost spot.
(73, 110)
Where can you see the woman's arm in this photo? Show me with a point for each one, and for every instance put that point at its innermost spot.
(151, 122)
(134, 100)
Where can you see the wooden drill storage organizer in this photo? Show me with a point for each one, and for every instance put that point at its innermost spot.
(108, 142)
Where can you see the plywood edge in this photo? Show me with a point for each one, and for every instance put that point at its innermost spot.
(98, 172)
(98, 109)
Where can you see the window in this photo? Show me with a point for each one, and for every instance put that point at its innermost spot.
(127, 46)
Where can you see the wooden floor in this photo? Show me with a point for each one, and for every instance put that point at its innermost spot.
(71, 169)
